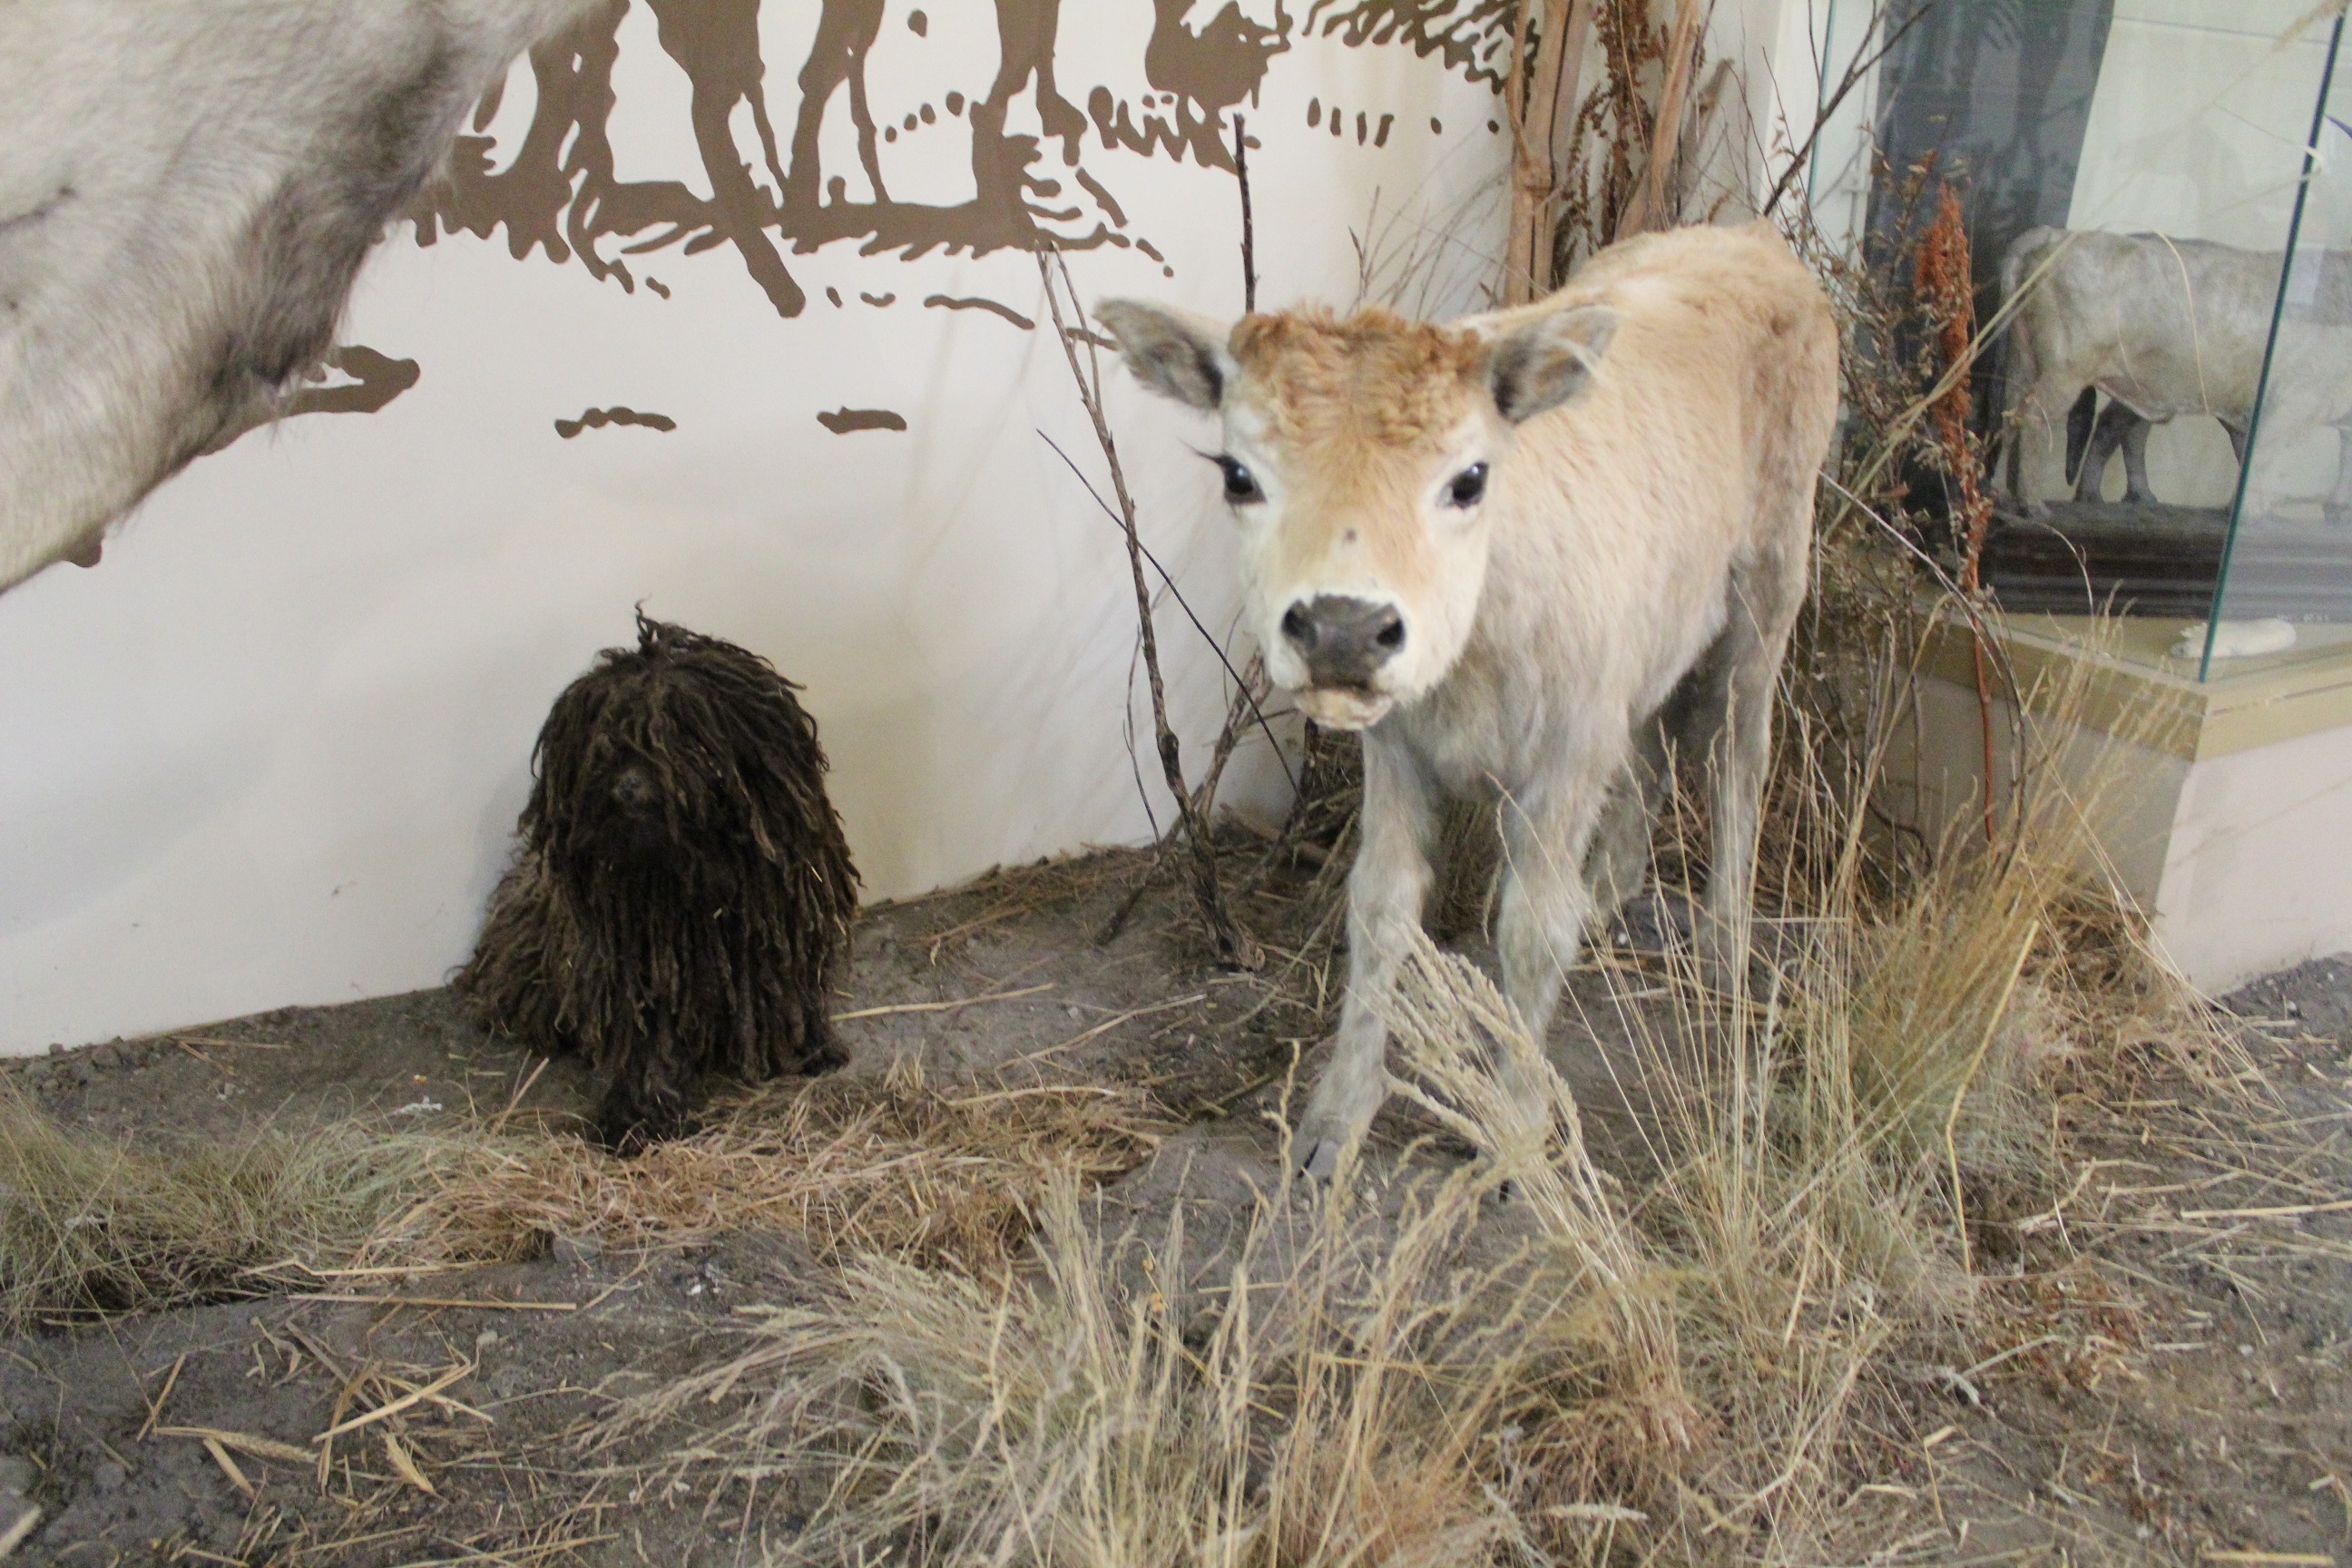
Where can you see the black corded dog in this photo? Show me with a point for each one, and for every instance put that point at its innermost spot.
(682, 893)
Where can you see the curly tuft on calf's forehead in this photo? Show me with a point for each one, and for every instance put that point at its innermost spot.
(1396, 381)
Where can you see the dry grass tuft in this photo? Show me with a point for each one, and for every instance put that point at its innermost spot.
(936, 1173)
(1331, 1412)
(94, 1223)
(1395, 1372)
(939, 1173)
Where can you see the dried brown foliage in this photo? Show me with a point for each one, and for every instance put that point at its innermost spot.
(937, 1174)
(941, 1173)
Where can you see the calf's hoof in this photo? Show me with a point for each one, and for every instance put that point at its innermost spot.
(1320, 1159)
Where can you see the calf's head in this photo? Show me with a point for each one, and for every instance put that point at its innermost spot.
(1364, 459)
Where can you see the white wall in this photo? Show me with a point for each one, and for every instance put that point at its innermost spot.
(1791, 56)
(270, 750)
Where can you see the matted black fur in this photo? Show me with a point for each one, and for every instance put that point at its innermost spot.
(682, 893)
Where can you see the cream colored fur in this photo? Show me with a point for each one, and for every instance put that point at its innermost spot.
(1625, 587)
(187, 188)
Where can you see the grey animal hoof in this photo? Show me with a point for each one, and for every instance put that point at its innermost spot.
(1322, 1161)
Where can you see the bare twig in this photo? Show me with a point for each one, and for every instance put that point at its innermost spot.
(1249, 229)
(1257, 703)
(17, 1533)
(1652, 200)
(1945, 287)
(1855, 71)
(155, 1411)
(452, 1302)
(243, 1442)
(1234, 946)
(1541, 100)
(955, 1006)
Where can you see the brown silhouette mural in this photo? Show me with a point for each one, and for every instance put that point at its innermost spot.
(848, 421)
(772, 196)
(598, 418)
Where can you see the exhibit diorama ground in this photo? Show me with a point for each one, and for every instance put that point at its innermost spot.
(562, 1358)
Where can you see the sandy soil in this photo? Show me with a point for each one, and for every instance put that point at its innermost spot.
(2222, 1420)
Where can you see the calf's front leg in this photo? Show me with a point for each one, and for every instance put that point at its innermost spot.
(1385, 893)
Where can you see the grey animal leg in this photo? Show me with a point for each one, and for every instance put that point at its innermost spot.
(1385, 892)
(1619, 861)
(2338, 506)
(2080, 430)
(2136, 486)
(1545, 908)
(1729, 723)
(2118, 428)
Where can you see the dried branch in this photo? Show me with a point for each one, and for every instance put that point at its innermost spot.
(1541, 100)
(1234, 946)
(1653, 201)
(1857, 69)
(1249, 229)
(1945, 280)
(1256, 704)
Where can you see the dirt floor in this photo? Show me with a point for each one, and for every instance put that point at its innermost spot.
(2216, 1418)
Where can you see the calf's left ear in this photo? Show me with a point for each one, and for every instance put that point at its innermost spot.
(1174, 353)
(1539, 364)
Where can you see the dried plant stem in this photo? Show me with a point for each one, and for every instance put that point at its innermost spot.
(1857, 69)
(1249, 227)
(1947, 288)
(1234, 946)
(1952, 1119)
(1248, 694)
(1652, 205)
(1250, 685)
(1540, 96)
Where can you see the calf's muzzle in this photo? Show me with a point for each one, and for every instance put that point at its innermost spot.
(1343, 640)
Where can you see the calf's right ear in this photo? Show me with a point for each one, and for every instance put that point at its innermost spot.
(1174, 353)
(1539, 364)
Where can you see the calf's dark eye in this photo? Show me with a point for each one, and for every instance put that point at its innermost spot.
(1468, 486)
(1241, 484)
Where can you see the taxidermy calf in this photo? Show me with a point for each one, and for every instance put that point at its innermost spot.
(187, 189)
(1527, 555)
(682, 893)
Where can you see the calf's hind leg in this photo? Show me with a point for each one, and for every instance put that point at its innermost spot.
(1619, 861)
(1728, 721)
(1546, 903)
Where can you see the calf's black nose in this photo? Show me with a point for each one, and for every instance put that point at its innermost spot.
(1343, 640)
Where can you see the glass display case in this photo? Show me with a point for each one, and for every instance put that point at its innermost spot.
(2158, 194)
